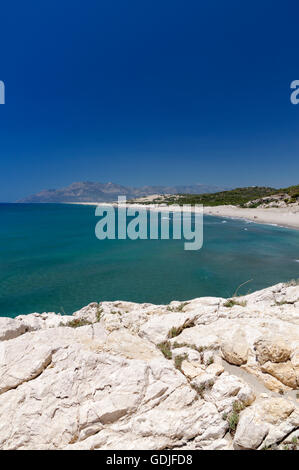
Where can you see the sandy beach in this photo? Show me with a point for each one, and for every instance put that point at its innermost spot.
(281, 216)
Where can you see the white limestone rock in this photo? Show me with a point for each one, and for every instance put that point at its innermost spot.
(265, 423)
(40, 321)
(10, 328)
(107, 385)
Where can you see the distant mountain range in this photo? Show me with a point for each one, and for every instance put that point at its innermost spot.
(87, 191)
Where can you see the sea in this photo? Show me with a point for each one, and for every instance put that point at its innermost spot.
(52, 261)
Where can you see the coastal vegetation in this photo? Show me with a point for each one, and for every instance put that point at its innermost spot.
(165, 348)
(77, 323)
(232, 302)
(176, 331)
(179, 360)
(252, 196)
(232, 418)
(236, 196)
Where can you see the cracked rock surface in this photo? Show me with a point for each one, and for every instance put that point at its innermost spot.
(203, 374)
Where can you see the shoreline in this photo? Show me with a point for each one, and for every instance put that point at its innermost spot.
(287, 217)
(280, 216)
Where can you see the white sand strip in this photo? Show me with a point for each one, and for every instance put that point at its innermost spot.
(281, 216)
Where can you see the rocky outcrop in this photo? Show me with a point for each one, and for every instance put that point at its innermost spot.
(265, 423)
(10, 329)
(203, 374)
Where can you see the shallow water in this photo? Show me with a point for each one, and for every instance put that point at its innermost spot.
(50, 260)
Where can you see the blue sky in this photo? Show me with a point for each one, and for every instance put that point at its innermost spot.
(148, 92)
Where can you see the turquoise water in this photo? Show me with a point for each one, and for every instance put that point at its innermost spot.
(50, 260)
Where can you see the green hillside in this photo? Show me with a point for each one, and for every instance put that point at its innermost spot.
(292, 191)
(236, 197)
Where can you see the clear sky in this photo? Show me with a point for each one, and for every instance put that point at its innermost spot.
(148, 92)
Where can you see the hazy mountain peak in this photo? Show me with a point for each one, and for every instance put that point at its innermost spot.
(91, 191)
